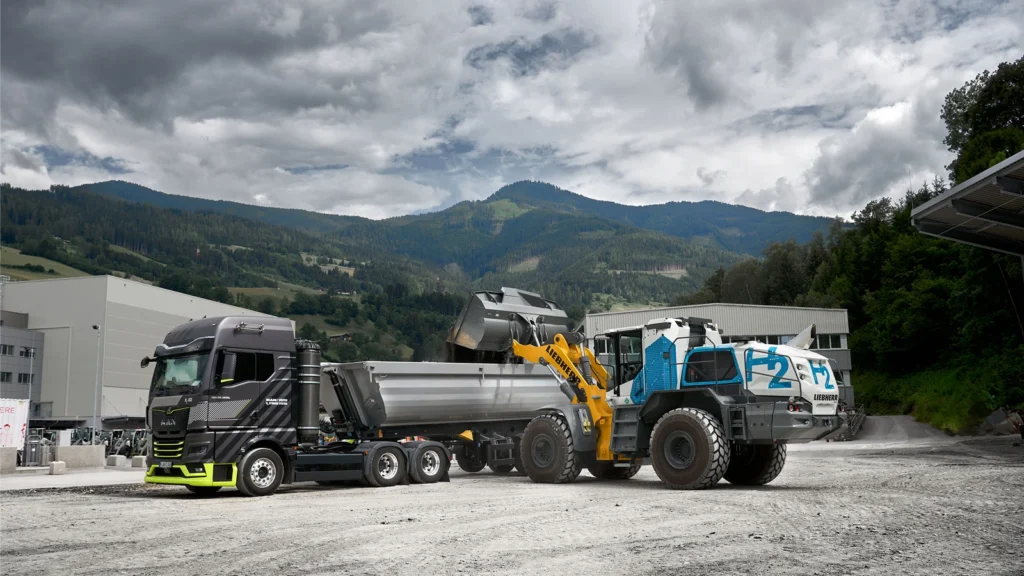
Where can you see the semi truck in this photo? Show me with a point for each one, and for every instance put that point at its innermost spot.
(238, 402)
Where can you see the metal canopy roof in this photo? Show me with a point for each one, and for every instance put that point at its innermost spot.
(985, 211)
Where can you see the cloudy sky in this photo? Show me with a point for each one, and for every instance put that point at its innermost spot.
(380, 109)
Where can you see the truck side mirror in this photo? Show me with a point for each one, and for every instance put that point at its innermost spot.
(227, 372)
(145, 361)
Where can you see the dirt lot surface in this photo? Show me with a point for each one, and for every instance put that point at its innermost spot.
(901, 500)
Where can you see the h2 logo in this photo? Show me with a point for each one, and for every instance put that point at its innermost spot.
(822, 368)
(772, 361)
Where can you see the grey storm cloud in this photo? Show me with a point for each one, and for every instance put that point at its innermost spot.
(381, 109)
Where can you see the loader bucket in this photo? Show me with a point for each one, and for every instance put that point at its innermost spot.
(484, 330)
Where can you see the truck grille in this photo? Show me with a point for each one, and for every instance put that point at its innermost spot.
(168, 450)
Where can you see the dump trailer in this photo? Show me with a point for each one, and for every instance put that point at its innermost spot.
(694, 408)
(238, 401)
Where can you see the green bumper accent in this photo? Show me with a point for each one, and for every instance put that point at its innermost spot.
(204, 478)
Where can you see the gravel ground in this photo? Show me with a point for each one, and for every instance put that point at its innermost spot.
(898, 502)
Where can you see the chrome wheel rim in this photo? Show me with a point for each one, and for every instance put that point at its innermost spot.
(430, 463)
(387, 466)
(262, 473)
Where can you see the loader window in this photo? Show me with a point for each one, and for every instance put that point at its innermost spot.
(711, 367)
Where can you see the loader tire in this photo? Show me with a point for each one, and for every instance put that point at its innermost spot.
(547, 451)
(608, 471)
(755, 464)
(468, 462)
(689, 450)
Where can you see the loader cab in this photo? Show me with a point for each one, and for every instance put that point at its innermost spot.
(645, 358)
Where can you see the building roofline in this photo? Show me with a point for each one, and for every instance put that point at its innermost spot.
(718, 304)
(968, 184)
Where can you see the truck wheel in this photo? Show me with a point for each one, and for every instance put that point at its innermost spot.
(429, 465)
(547, 451)
(608, 471)
(501, 468)
(387, 467)
(755, 464)
(689, 450)
(260, 472)
(519, 458)
(469, 462)
(203, 490)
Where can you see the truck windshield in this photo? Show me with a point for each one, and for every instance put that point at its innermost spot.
(179, 374)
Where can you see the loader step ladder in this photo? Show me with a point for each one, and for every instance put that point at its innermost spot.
(738, 422)
(625, 424)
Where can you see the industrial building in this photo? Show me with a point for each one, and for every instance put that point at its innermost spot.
(21, 356)
(89, 330)
(768, 324)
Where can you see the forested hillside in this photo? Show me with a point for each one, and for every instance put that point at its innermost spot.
(580, 258)
(937, 326)
(735, 228)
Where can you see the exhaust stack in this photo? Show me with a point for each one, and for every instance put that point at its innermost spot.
(309, 390)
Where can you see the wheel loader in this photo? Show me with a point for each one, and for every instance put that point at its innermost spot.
(696, 409)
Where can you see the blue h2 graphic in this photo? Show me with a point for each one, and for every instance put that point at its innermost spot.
(771, 361)
(822, 368)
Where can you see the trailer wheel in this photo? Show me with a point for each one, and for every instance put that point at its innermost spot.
(387, 467)
(608, 471)
(547, 451)
(429, 465)
(260, 472)
(501, 468)
(755, 464)
(689, 450)
(469, 462)
(519, 458)
(203, 490)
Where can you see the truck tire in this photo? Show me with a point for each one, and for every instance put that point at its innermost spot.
(203, 490)
(547, 451)
(501, 468)
(519, 459)
(260, 472)
(608, 471)
(387, 468)
(429, 464)
(689, 450)
(755, 464)
(469, 462)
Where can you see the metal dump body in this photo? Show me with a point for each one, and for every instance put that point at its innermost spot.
(386, 394)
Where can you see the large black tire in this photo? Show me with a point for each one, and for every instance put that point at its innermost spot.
(608, 471)
(387, 468)
(520, 468)
(203, 490)
(547, 451)
(468, 460)
(689, 450)
(429, 464)
(260, 472)
(755, 464)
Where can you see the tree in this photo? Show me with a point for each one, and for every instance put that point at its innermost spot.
(985, 120)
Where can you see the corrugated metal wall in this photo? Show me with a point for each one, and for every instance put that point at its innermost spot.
(733, 319)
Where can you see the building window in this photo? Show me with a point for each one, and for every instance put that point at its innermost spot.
(828, 342)
(27, 352)
(5, 377)
(24, 378)
(6, 349)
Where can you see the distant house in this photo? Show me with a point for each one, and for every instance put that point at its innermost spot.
(346, 337)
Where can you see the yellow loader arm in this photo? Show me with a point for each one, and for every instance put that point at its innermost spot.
(572, 361)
